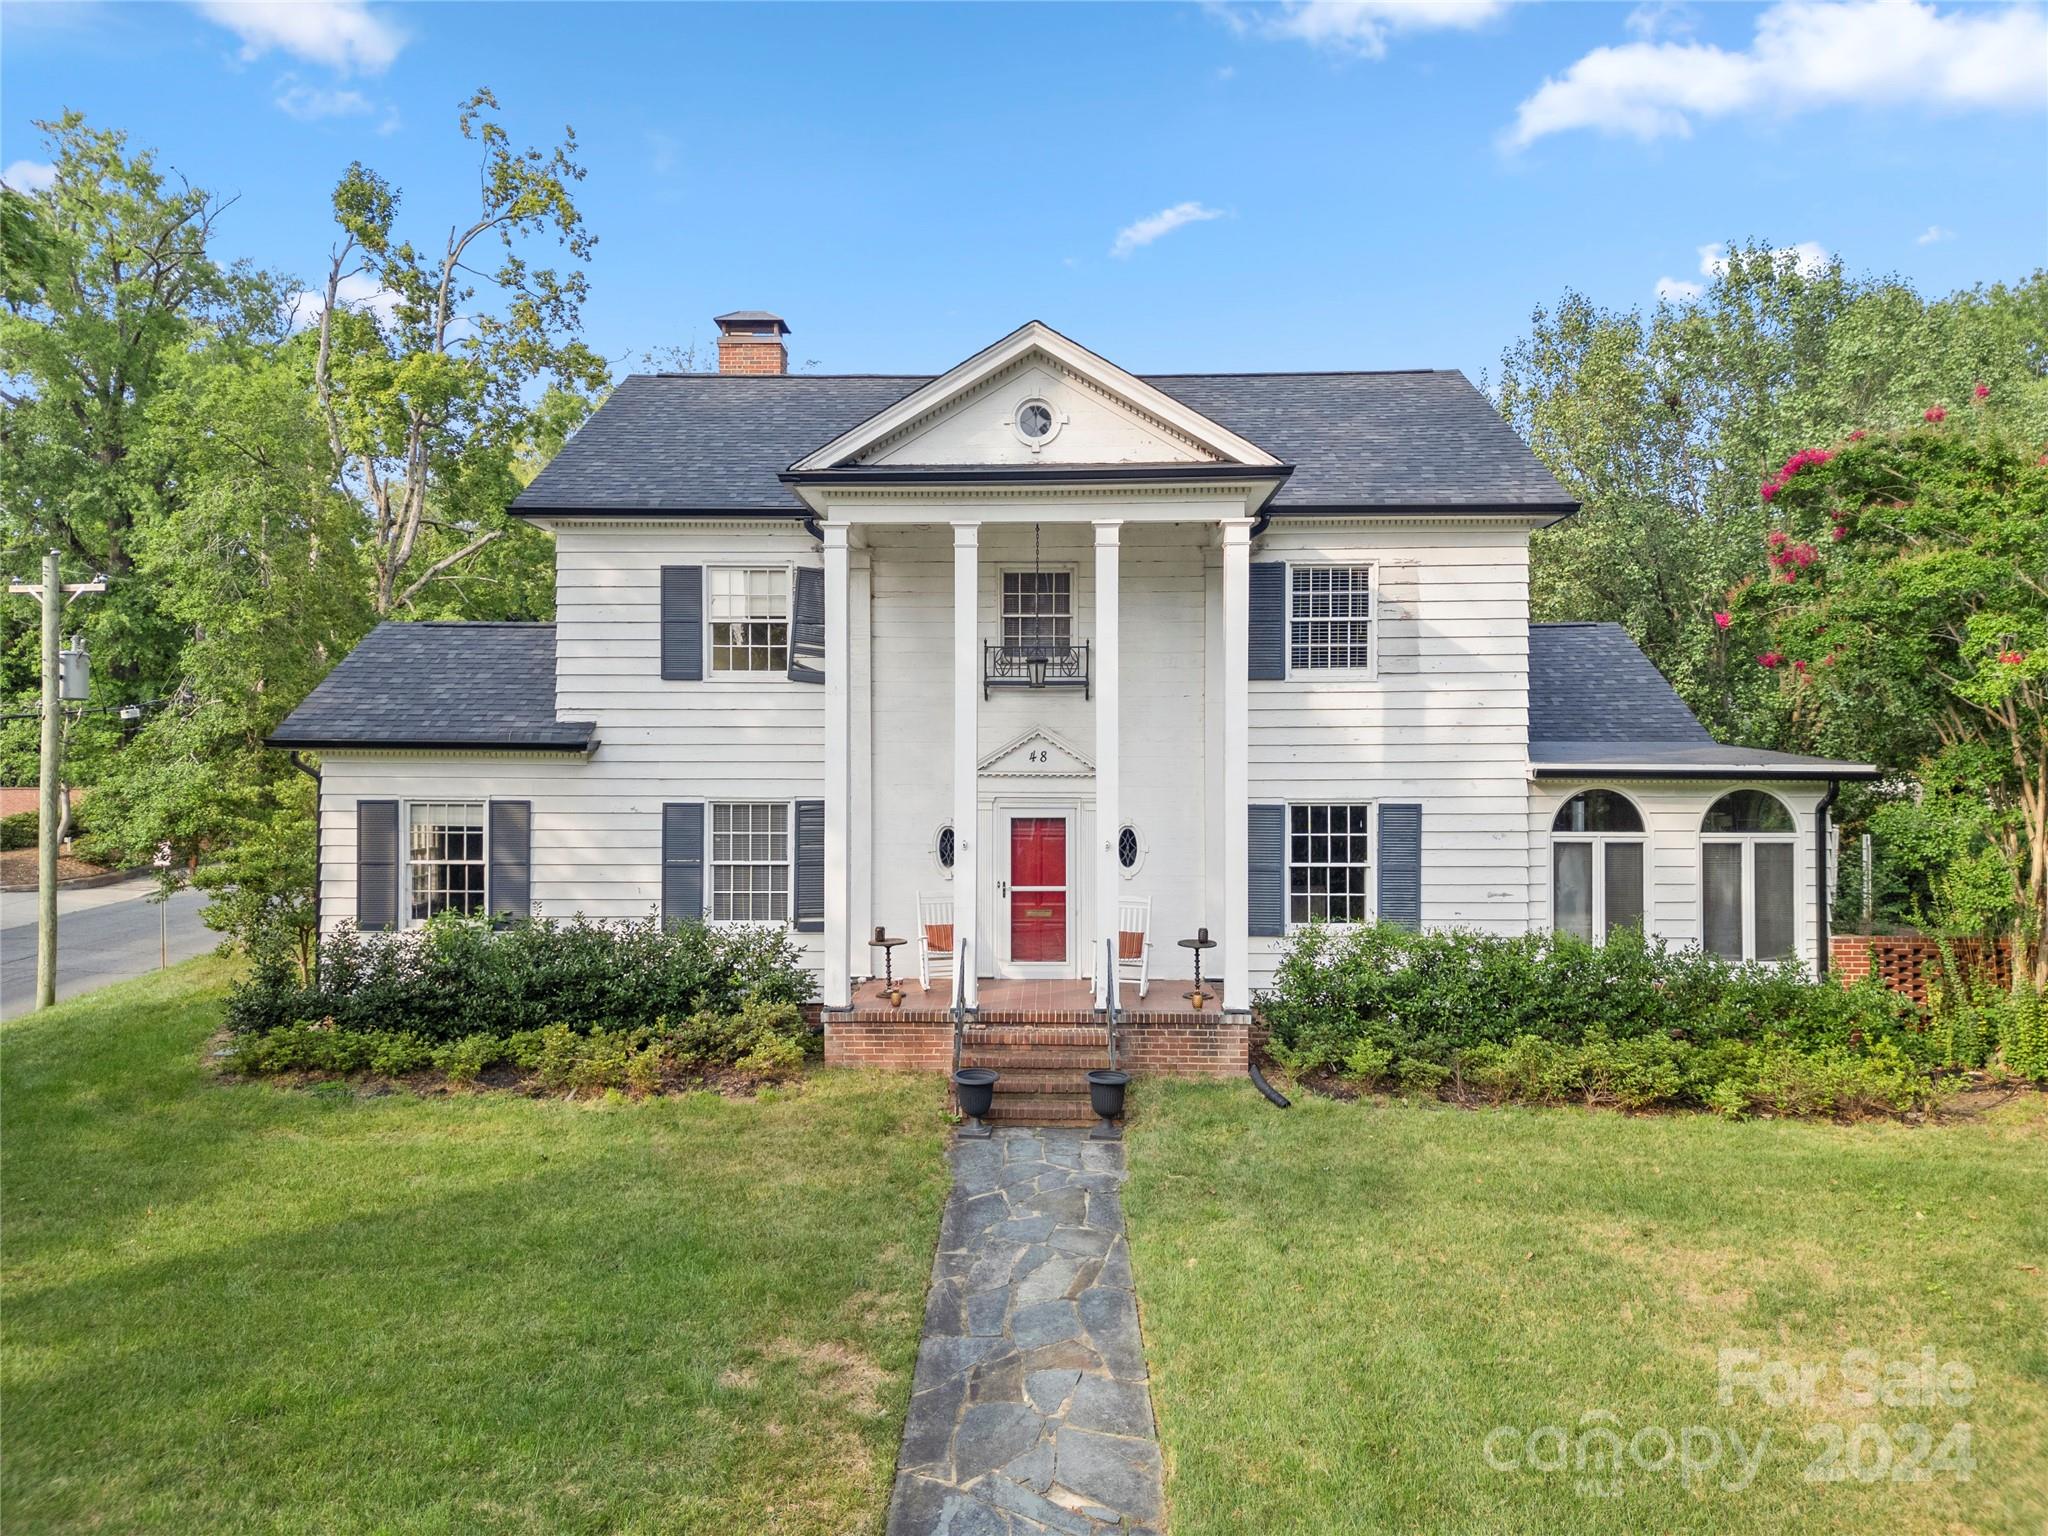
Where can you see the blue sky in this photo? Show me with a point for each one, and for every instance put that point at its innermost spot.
(1180, 188)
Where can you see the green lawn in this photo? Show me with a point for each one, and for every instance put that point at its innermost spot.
(1341, 1302)
(236, 1307)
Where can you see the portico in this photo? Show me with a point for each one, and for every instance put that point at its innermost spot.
(1043, 812)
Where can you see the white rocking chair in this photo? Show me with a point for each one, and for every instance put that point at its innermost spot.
(1134, 943)
(934, 938)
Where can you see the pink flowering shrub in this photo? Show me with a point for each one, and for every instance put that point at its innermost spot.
(1934, 413)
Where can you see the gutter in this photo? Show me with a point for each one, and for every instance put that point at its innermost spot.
(1820, 878)
(581, 749)
(1832, 772)
(299, 763)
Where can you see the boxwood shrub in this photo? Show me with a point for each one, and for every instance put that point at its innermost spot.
(457, 977)
(1549, 1018)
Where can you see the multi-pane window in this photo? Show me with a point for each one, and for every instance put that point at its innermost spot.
(1038, 610)
(1329, 616)
(445, 852)
(750, 863)
(1329, 863)
(749, 614)
(1746, 878)
(1596, 851)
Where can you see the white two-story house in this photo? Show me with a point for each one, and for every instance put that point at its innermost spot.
(1039, 638)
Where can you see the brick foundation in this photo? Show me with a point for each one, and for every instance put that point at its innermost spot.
(1153, 1044)
(1907, 962)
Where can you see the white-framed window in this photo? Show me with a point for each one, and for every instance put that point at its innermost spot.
(444, 858)
(750, 862)
(1038, 610)
(747, 613)
(1748, 895)
(1598, 853)
(943, 849)
(1329, 618)
(1329, 863)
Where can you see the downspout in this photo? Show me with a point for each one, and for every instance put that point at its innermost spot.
(1820, 878)
(299, 763)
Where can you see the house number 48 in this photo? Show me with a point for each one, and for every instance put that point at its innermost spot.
(1039, 755)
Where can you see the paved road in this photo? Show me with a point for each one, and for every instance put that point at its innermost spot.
(108, 933)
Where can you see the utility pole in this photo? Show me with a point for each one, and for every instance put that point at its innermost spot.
(54, 596)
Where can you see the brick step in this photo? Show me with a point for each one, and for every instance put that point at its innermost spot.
(1041, 1083)
(1036, 1109)
(1038, 1034)
(1006, 1062)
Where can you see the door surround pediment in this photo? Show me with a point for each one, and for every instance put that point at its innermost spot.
(1037, 754)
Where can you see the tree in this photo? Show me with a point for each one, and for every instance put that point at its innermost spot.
(109, 279)
(1903, 617)
(1664, 425)
(428, 403)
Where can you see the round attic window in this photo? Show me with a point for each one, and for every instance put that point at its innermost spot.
(1035, 421)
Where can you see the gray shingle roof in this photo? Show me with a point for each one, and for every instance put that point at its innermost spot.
(1596, 704)
(708, 442)
(440, 685)
(1589, 682)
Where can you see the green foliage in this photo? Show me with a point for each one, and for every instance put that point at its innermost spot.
(20, 830)
(459, 976)
(435, 409)
(1551, 1019)
(1664, 424)
(1900, 609)
(579, 1006)
(2021, 1022)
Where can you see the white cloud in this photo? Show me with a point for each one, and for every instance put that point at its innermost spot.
(1806, 54)
(29, 175)
(1359, 27)
(1144, 231)
(309, 103)
(358, 290)
(1934, 234)
(344, 35)
(1676, 290)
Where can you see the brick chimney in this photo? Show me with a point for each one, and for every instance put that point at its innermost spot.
(750, 341)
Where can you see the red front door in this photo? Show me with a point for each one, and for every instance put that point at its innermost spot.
(1038, 888)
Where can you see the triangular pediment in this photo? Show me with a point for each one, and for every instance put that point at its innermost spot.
(1036, 398)
(1037, 755)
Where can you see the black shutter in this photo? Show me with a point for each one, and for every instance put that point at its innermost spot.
(1268, 621)
(1266, 867)
(511, 856)
(376, 865)
(682, 623)
(1400, 865)
(807, 626)
(682, 864)
(809, 905)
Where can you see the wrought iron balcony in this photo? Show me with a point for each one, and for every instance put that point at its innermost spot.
(1034, 666)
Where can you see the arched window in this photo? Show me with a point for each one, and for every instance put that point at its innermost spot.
(1746, 885)
(1597, 854)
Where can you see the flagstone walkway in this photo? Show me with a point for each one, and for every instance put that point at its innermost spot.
(1030, 1410)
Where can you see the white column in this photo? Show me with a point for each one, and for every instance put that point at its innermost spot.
(1237, 585)
(967, 747)
(861, 839)
(838, 771)
(1108, 809)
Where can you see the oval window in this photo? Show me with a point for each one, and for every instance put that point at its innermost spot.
(945, 847)
(1127, 847)
(1034, 419)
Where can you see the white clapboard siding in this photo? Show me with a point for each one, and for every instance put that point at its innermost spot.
(1442, 723)
(1671, 816)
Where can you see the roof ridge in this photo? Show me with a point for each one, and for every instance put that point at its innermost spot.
(1191, 373)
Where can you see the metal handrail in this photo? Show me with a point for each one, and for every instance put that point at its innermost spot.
(1109, 998)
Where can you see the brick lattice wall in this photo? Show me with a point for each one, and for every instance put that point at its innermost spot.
(1907, 962)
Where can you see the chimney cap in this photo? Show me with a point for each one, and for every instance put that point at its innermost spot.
(750, 322)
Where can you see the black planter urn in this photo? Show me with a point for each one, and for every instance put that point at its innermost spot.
(975, 1088)
(1106, 1098)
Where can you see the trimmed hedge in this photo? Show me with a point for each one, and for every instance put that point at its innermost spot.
(1549, 1018)
(457, 977)
(575, 1005)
